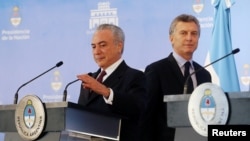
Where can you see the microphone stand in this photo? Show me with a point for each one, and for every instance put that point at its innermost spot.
(16, 95)
(65, 93)
(186, 81)
(65, 90)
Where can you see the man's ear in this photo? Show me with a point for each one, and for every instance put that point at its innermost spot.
(170, 38)
(120, 46)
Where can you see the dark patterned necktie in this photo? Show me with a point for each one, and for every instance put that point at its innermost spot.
(100, 77)
(186, 74)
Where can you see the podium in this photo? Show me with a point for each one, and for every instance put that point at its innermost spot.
(177, 114)
(65, 121)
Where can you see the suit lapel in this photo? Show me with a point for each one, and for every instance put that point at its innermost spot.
(199, 77)
(176, 69)
(111, 81)
(91, 94)
(115, 77)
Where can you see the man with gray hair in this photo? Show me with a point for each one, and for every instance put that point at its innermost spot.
(121, 90)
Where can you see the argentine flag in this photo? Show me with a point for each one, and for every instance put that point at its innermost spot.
(223, 72)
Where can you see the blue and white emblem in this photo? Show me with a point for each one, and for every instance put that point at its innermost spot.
(30, 117)
(207, 105)
(29, 114)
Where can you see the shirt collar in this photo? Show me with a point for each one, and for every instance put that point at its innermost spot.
(181, 61)
(112, 67)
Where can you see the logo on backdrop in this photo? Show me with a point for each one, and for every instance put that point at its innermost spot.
(103, 14)
(56, 85)
(15, 19)
(30, 117)
(15, 34)
(198, 6)
(205, 21)
(208, 105)
(245, 78)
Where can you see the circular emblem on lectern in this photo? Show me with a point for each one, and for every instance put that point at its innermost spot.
(208, 105)
(30, 117)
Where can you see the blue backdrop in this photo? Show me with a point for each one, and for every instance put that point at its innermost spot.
(35, 35)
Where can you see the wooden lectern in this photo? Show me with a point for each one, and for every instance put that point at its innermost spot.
(177, 114)
(65, 121)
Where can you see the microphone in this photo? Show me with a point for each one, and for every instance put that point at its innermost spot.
(65, 90)
(16, 95)
(186, 81)
(65, 93)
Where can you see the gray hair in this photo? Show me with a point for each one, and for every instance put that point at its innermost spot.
(183, 18)
(117, 32)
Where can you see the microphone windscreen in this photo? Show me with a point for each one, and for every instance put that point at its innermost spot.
(235, 50)
(59, 64)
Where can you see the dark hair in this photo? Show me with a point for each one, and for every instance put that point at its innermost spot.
(184, 18)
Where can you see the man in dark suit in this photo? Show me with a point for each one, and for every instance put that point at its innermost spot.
(122, 90)
(166, 76)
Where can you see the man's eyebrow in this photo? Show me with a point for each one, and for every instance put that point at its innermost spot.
(99, 43)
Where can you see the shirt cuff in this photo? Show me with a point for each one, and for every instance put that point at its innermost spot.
(109, 100)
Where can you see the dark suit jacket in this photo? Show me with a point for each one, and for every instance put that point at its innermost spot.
(129, 90)
(164, 77)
